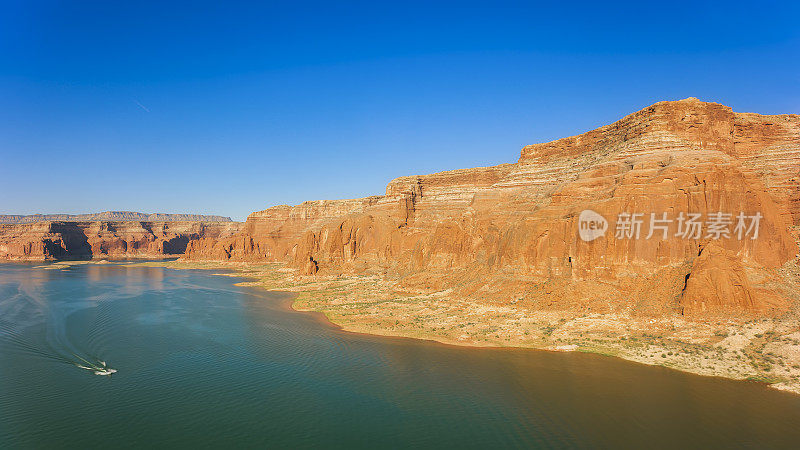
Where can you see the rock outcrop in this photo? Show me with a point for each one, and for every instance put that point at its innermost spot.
(510, 233)
(48, 240)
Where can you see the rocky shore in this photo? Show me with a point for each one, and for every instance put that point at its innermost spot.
(765, 350)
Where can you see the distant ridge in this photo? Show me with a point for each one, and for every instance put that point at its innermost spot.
(112, 216)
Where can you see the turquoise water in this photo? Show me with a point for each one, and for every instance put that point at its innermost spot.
(203, 363)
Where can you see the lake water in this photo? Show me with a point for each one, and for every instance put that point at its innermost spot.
(204, 363)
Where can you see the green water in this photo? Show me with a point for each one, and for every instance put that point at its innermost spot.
(206, 364)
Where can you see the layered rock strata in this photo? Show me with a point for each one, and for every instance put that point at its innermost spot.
(48, 240)
(511, 233)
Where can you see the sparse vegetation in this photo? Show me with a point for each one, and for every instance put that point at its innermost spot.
(376, 305)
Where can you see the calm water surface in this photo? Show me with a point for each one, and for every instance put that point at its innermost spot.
(204, 363)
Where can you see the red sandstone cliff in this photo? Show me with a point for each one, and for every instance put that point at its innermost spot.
(48, 240)
(510, 232)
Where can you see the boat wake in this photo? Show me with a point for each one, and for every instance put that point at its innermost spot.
(29, 309)
(99, 368)
(12, 340)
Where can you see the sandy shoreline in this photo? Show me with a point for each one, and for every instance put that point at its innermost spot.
(766, 351)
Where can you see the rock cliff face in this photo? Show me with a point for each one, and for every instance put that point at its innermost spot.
(511, 233)
(49, 240)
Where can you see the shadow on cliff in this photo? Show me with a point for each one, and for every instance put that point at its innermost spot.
(177, 245)
(74, 242)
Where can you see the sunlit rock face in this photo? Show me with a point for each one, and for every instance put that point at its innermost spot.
(510, 233)
(49, 240)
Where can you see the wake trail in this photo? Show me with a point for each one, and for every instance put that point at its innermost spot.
(32, 304)
(17, 343)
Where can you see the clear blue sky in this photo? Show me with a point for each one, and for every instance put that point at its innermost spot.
(226, 108)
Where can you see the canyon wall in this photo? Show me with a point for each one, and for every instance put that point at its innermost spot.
(510, 233)
(56, 240)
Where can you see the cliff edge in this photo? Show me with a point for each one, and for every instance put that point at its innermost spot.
(699, 208)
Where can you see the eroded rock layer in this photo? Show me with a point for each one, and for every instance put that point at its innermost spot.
(41, 241)
(510, 233)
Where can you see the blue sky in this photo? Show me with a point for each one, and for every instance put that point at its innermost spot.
(228, 108)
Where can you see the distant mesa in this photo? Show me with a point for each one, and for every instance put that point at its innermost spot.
(110, 234)
(111, 216)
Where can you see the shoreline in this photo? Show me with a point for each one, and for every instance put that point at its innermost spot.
(635, 340)
(323, 297)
